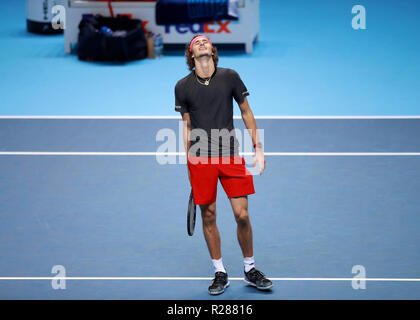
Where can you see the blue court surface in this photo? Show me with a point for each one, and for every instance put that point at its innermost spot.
(335, 214)
(336, 193)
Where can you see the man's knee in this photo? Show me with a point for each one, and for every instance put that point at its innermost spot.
(208, 213)
(242, 216)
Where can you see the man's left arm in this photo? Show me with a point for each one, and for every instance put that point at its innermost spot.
(251, 125)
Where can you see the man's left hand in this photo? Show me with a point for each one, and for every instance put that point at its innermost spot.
(260, 159)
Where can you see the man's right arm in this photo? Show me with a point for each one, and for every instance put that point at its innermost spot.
(186, 135)
(186, 131)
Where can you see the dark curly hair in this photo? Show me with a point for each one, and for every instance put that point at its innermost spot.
(190, 60)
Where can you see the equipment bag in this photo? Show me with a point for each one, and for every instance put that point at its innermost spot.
(111, 39)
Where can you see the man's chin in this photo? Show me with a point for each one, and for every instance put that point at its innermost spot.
(204, 54)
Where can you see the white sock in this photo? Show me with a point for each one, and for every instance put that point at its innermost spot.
(218, 265)
(249, 263)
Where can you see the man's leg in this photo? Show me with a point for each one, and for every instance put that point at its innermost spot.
(253, 276)
(210, 230)
(244, 229)
(212, 236)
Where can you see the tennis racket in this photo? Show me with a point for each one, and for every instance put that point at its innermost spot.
(191, 215)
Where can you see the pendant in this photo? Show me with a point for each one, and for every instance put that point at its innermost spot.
(206, 82)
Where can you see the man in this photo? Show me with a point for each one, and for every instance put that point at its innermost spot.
(204, 98)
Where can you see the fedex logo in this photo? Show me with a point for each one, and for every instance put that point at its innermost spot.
(208, 27)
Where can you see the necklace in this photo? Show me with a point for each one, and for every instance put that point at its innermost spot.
(206, 81)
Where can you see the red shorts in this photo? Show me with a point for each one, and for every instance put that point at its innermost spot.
(205, 172)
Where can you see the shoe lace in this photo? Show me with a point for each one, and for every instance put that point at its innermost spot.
(219, 278)
(256, 274)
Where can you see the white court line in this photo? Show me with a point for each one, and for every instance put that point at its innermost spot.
(180, 153)
(279, 154)
(209, 278)
(235, 117)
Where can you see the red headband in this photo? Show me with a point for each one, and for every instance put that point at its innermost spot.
(199, 37)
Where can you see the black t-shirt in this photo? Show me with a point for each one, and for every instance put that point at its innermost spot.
(211, 111)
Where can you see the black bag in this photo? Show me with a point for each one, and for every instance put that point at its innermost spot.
(111, 39)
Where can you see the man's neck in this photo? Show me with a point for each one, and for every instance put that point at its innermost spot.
(204, 67)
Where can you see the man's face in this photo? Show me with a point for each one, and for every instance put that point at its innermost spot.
(201, 47)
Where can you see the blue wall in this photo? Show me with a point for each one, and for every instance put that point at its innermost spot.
(309, 61)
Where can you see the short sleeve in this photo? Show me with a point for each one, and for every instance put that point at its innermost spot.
(180, 101)
(239, 89)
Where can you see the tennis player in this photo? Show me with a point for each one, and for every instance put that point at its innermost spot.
(205, 99)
